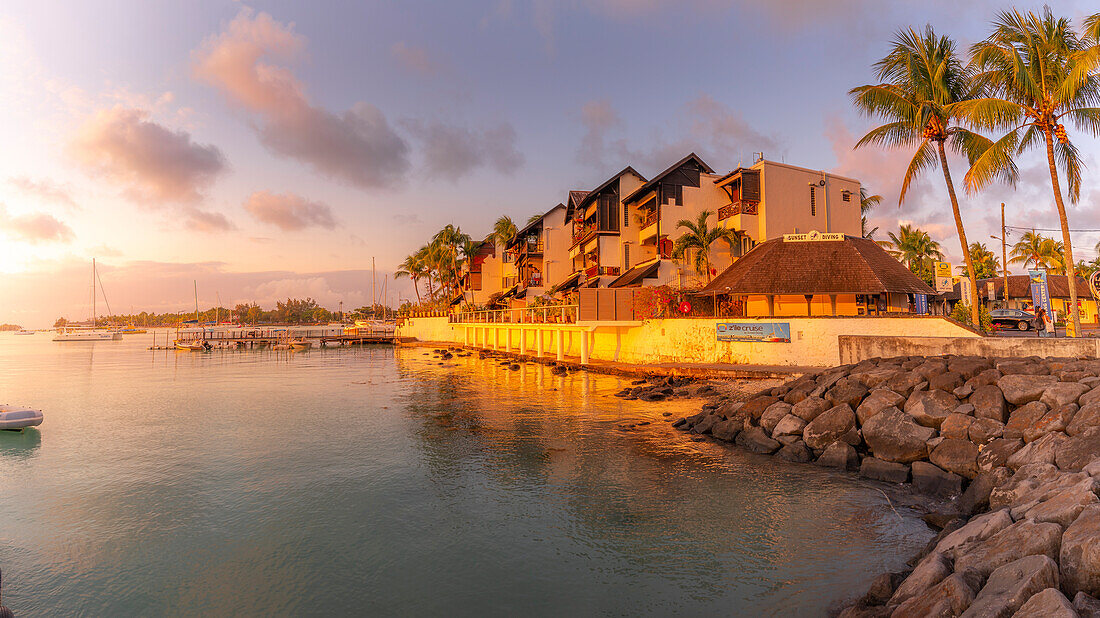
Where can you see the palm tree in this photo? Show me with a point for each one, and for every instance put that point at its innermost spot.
(1028, 249)
(1038, 72)
(413, 268)
(1054, 256)
(450, 238)
(503, 230)
(698, 238)
(915, 248)
(533, 218)
(986, 263)
(866, 203)
(923, 83)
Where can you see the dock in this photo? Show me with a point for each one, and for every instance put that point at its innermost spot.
(263, 337)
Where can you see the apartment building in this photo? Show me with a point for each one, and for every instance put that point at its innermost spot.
(541, 254)
(491, 270)
(597, 221)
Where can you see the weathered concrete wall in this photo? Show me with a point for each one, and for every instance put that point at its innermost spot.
(856, 348)
(427, 329)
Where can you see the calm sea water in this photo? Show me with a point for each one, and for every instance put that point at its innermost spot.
(374, 481)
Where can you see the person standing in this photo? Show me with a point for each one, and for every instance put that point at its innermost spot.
(1040, 322)
(1049, 323)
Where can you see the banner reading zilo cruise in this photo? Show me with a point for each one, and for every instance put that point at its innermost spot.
(755, 331)
(1040, 293)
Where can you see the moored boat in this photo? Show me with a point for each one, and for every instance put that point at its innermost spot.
(66, 333)
(198, 345)
(300, 344)
(24, 332)
(17, 418)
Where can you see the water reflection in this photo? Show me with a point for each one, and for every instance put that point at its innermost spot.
(20, 444)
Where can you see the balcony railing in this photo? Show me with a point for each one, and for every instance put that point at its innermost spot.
(650, 218)
(533, 281)
(528, 248)
(729, 210)
(549, 314)
(597, 270)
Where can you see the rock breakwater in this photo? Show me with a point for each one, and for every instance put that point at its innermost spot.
(1015, 444)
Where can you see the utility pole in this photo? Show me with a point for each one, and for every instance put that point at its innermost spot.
(1004, 253)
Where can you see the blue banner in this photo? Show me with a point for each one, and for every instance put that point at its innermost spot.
(1040, 293)
(922, 303)
(755, 331)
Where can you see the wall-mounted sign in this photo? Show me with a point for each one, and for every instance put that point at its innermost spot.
(964, 287)
(813, 236)
(755, 331)
(943, 277)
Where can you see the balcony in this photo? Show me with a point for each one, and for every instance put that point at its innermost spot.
(533, 281)
(588, 230)
(650, 218)
(597, 270)
(533, 246)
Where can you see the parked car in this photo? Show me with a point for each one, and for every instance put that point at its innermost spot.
(1012, 318)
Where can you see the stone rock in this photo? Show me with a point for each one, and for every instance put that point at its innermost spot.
(839, 455)
(1020, 389)
(787, 440)
(930, 368)
(1086, 418)
(775, 412)
(976, 530)
(904, 383)
(800, 390)
(934, 481)
(849, 394)
(1091, 397)
(894, 436)
(882, 588)
(1060, 393)
(976, 496)
(796, 452)
(705, 424)
(731, 409)
(1011, 585)
(754, 439)
(1023, 417)
(985, 430)
(965, 409)
(988, 402)
(1080, 553)
(950, 597)
(1086, 606)
(789, 425)
(1054, 420)
(755, 407)
(929, 572)
(1042, 450)
(1021, 367)
(958, 456)
(809, 408)
(963, 391)
(874, 377)
(1065, 506)
(727, 430)
(1049, 603)
(1078, 451)
(1019, 489)
(1093, 469)
(1023, 538)
(956, 426)
(832, 425)
(877, 401)
(947, 381)
(995, 454)
(929, 408)
(968, 367)
(985, 378)
(887, 471)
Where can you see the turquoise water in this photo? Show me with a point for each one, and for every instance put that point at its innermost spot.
(374, 481)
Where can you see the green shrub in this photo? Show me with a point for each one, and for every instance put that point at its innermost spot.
(961, 312)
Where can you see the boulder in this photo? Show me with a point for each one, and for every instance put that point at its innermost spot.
(1060, 393)
(1088, 417)
(929, 408)
(1080, 553)
(877, 401)
(1086, 606)
(934, 481)
(799, 391)
(775, 412)
(809, 408)
(904, 383)
(1024, 483)
(754, 439)
(958, 456)
(968, 367)
(727, 430)
(705, 424)
(755, 407)
(887, 471)
(931, 368)
(1049, 603)
(988, 402)
(950, 597)
(839, 455)
(796, 452)
(872, 378)
(1042, 450)
(1078, 451)
(995, 454)
(1023, 417)
(837, 423)
(1056, 419)
(894, 436)
(1021, 539)
(929, 572)
(1011, 585)
(1020, 389)
(849, 394)
(965, 409)
(976, 496)
(985, 430)
(1092, 396)
(986, 377)
(946, 381)
(963, 391)
(1065, 506)
(956, 426)
(789, 425)
(1021, 367)
(976, 530)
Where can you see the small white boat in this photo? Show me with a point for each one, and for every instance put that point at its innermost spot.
(24, 332)
(193, 346)
(86, 334)
(16, 418)
(300, 344)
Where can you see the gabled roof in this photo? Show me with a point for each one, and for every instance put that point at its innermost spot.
(850, 266)
(576, 197)
(647, 187)
(607, 183)
(527, 228)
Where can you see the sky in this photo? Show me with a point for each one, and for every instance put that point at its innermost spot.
(273, 149)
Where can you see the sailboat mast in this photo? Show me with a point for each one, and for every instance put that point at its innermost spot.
(196, 301)
(93, 292)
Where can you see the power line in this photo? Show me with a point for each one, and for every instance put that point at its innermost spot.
(1025, 228)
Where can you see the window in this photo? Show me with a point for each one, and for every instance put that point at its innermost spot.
(626, 256)
(813, 201)
(626, 215)
(846, 195)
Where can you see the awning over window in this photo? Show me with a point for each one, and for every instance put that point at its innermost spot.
(568, 284)
(634, 276)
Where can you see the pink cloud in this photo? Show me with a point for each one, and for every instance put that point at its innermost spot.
(150, 162)
(34, 228)
(357, 146)
(45, 190)
(289, 211)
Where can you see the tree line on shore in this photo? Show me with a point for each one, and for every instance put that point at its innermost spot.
(290, 311)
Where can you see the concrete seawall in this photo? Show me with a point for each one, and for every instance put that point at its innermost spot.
(858, 348)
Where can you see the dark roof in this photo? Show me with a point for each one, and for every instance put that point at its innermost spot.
(527, 228)
(1019, 286)
(576, 197)
(851, 266)
(567, 284)
(634, 276)
(647, 187)
(723, 179)
(607, 183)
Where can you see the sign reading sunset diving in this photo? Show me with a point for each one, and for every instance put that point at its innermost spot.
(813, 236)
(943, 277)
(755, 331)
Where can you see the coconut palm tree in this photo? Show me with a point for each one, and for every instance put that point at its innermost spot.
(1028, 249)
(986, 263)
(450, 239)
(1038, 73)
(915, 248)
(413, 268)
(1054, 256)
(503, 230)
(698, 238)
(923, 83)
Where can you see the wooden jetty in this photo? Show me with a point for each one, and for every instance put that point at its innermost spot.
(262, 337)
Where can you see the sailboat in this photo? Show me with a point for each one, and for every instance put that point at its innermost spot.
(194, 345)
(92, 333)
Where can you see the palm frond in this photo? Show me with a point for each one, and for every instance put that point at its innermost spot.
(996, 162)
